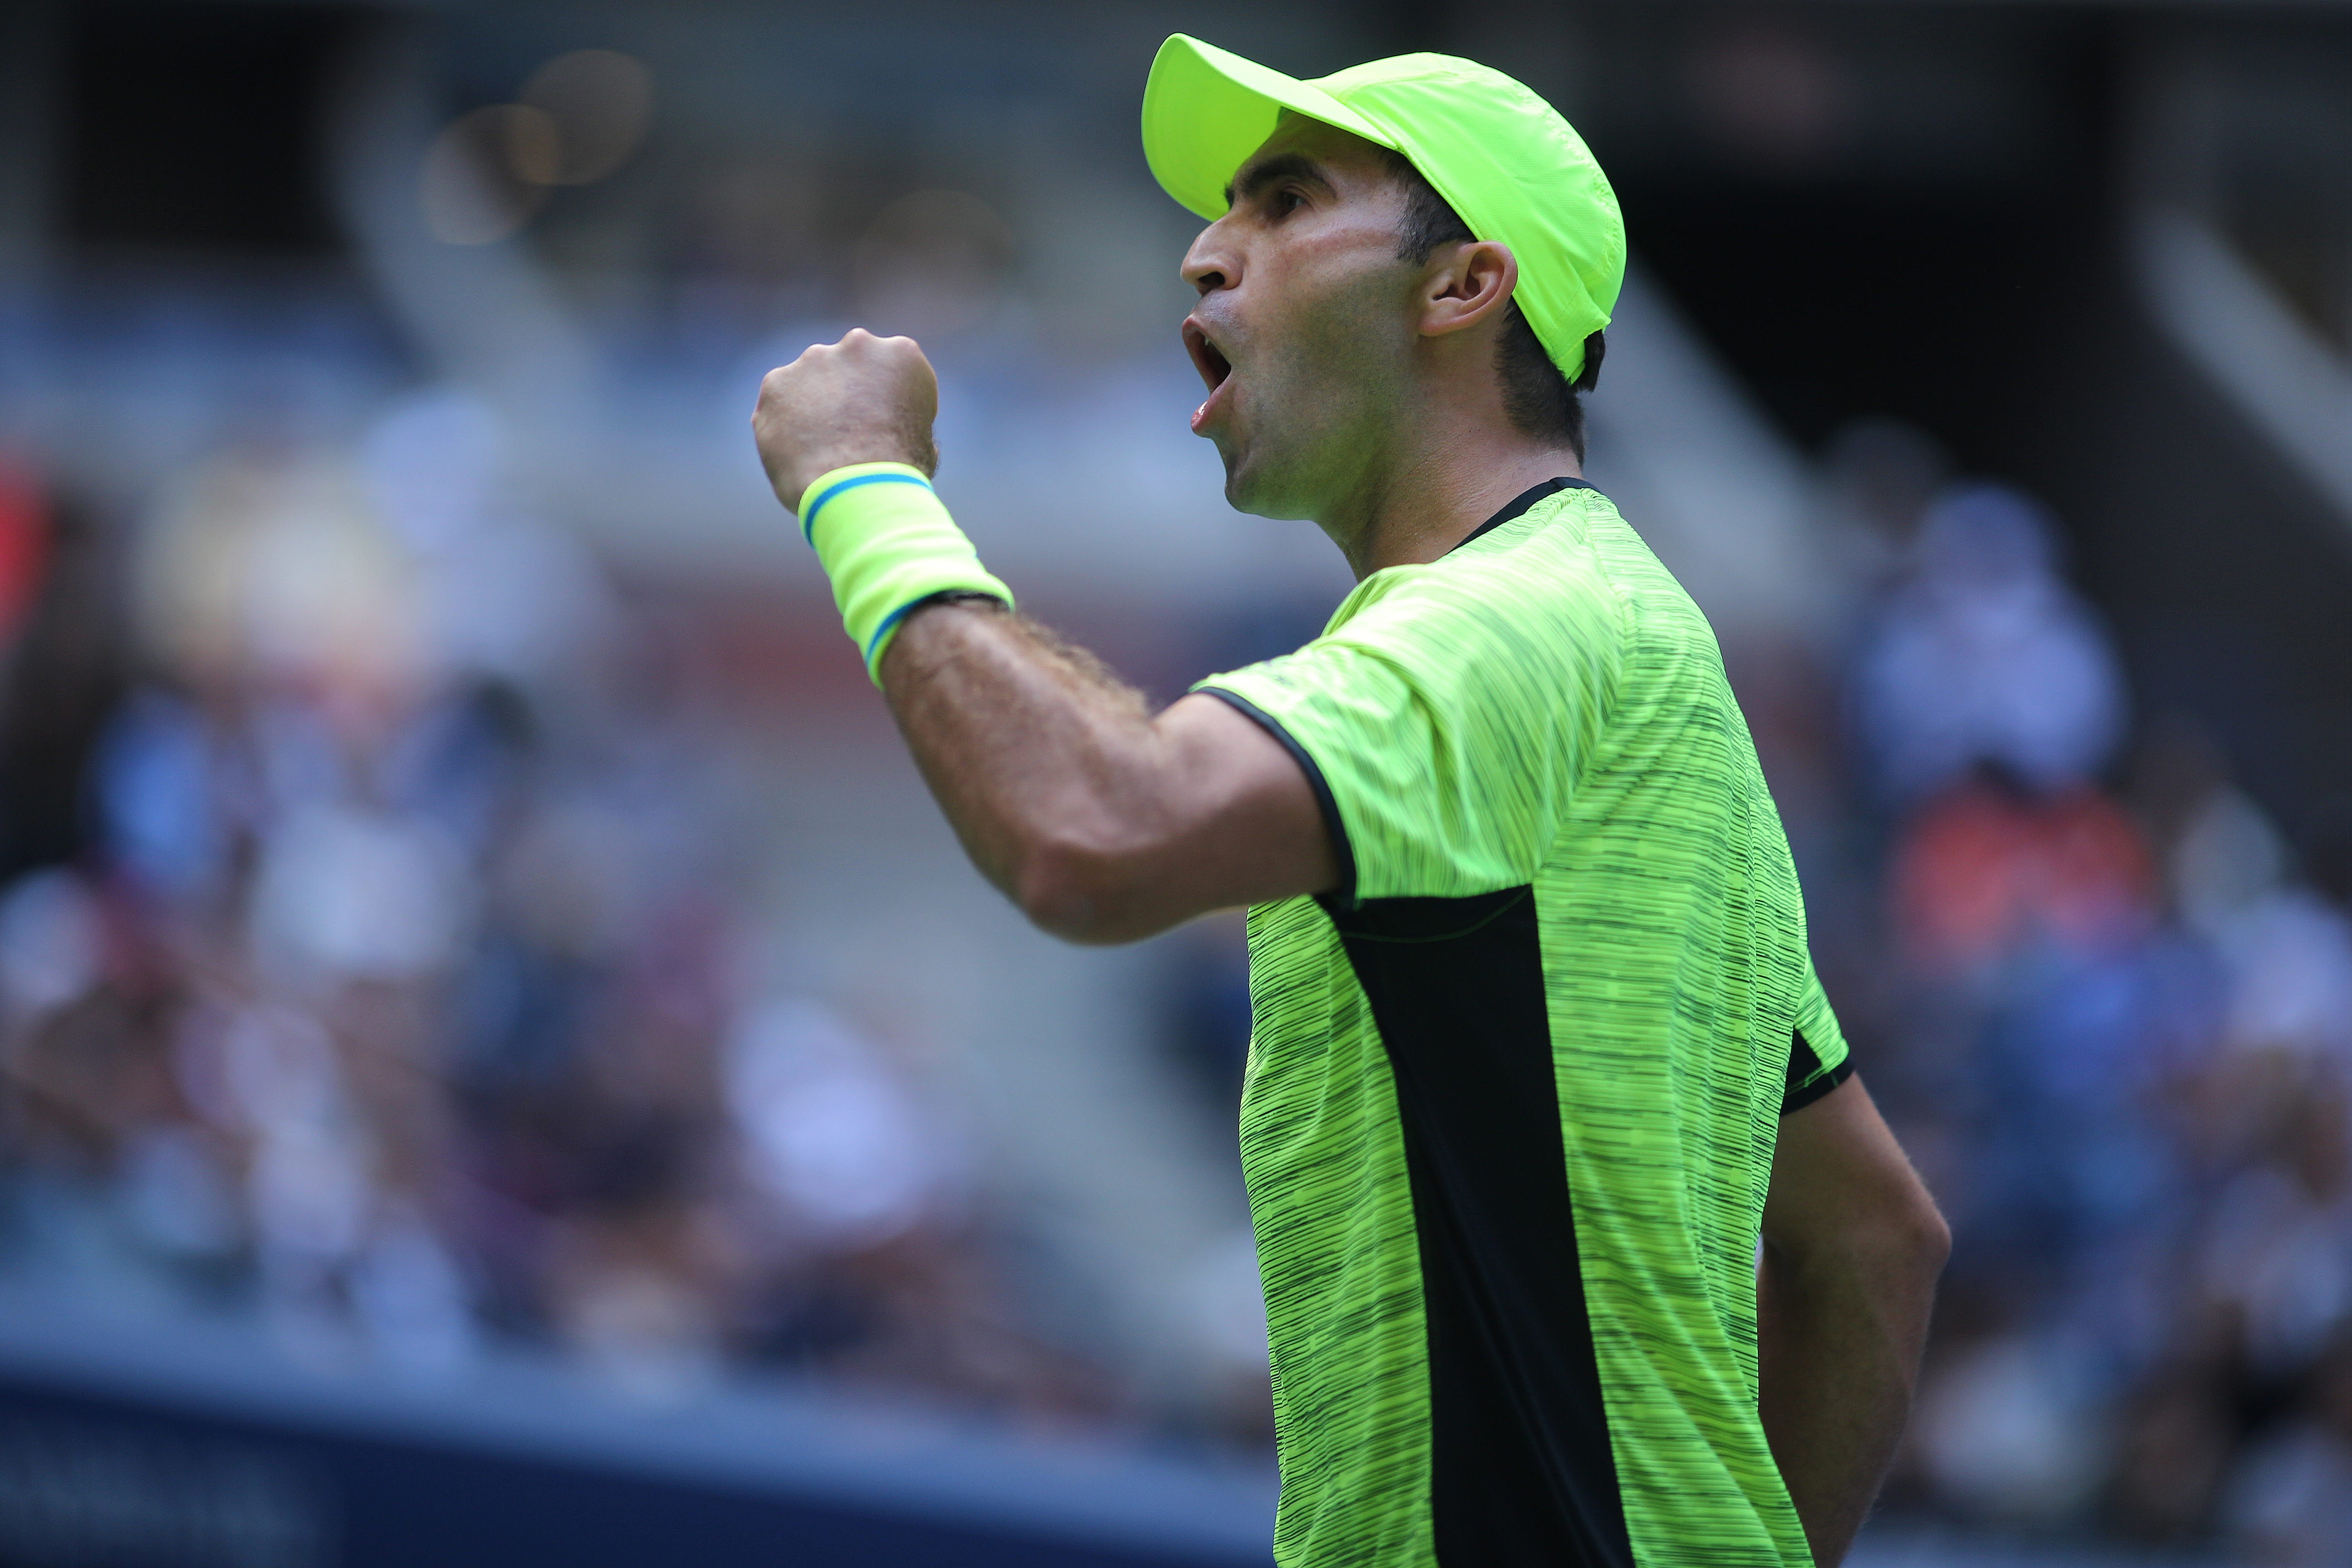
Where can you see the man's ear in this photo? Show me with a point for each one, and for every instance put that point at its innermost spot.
(1469, 286)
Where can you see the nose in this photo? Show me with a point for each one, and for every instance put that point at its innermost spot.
(1213, 262)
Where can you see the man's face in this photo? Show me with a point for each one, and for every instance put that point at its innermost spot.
(1306, 325)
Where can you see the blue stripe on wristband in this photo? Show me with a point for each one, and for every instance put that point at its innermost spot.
(891, 621)
(808, 519)
(909, 607)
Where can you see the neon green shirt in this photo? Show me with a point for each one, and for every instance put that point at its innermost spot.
(1513, 1089)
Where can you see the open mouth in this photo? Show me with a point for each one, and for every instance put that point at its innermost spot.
(1212, 365)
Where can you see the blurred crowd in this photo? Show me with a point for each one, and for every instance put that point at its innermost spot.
(380, 951)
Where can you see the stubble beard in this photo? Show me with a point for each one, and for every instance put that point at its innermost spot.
(1314, 420)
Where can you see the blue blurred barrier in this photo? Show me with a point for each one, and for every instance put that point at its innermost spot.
(169, 1443)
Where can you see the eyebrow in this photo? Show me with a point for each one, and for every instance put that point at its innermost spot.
(1255, 177)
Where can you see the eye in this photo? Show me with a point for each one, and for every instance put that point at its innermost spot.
(1287, 199)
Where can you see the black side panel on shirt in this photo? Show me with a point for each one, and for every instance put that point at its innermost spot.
(1521, 1472)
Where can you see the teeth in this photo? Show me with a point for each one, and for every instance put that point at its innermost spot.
(1211, 361)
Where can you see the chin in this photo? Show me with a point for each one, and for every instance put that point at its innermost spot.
(1244, 478)
(1238, 488)
(1243, 493)
(1239, 485)
(1261, 488)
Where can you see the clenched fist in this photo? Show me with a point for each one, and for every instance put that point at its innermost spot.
(862, 400)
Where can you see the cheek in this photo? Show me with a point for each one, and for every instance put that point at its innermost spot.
(1333, 368)
(1345, 309)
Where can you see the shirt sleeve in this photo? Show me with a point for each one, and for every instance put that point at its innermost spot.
(1817, 1057)
(1443, 725)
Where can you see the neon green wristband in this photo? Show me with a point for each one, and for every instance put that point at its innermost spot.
(887, 543)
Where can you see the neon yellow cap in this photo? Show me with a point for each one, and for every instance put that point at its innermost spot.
(1515, 171)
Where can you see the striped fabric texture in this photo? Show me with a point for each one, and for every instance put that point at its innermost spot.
(1544, 708)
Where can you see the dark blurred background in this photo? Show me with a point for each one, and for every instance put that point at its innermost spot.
(499, 1060)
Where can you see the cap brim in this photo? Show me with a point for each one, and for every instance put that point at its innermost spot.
(1205, 111)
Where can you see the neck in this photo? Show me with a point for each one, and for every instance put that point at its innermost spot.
(1439, 478)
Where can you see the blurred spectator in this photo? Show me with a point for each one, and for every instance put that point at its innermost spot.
(24, 542)
(62, 665)
(1879, 477)
(830, 1132)
(2289, 951)
(1985, 656)
(1989, 869)
(2290, 1503)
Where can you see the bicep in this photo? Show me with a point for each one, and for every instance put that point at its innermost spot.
(1243, 823)
(1840, 1181)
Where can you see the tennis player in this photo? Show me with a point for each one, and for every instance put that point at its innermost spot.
(1580, 1243)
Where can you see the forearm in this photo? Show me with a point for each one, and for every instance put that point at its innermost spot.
(1039, 757)
(1838, 1345)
